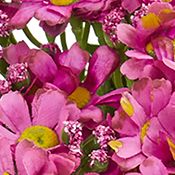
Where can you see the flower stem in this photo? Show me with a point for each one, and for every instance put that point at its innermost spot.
(99, 33)
(12, 39)
(63, 41)
(85, 35)
(50, 39)
(31, 37)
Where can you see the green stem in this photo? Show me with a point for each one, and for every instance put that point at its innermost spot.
(77, 27)
(31, 37)
(12, 39)
(50, 39)
(99, 33)
(85, 35)
(117, 79)
(63, 41)
(91, 48)
(79, 170)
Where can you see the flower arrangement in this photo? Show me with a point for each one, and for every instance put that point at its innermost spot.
(106, 109)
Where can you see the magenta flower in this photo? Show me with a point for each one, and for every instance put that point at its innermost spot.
(37, 138)
(139, 126)
(152, 41)
(85, 9)
(64, 70)
(54, 15)
(103, 62)
(53, 18)
(36, 60)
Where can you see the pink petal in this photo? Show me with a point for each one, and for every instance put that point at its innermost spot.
(15, 108)
(131, 146)
(157, 7)
(6, 161)
(133, 174)
(4, 133)
(130, 7)
(66, 80)
(24, 14)
(14, 53)
(40, 60)
(34, 160)
(153, 166)
(169, 63)
(134, 68)
(139, 116)
(159, 149)
(53, 14)
(130, 163)
(91, 113)
(65, 166)
(124, 124)
(75, 59)
(150, 94)
(166, 117)
(48, 107)
(138, 55)
(103, 62)
(128, 35)
(112, 98)
(21, 149)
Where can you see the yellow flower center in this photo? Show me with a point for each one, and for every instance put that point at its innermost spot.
(115, 145)
(127, 106)
(62, 2)
(150, 49)
(41, 136)
(172, 147)
(80, 96)
(144, 130)
(150, 21)
(166, 0)
(6, 173)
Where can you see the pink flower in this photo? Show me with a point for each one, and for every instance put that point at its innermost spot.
(152, 41)
(36, 60)
(138, 123)
(52, 17)
(37, 138)
(103, 62)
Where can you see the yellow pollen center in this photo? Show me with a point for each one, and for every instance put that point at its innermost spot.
(80, 96)
(144, 130)
(150, 49)
(127, 106)
(166, 0)
(150, 21)
(41, 136)
(172, 147)
(6, 173)
(115, 145)
(62, 2)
